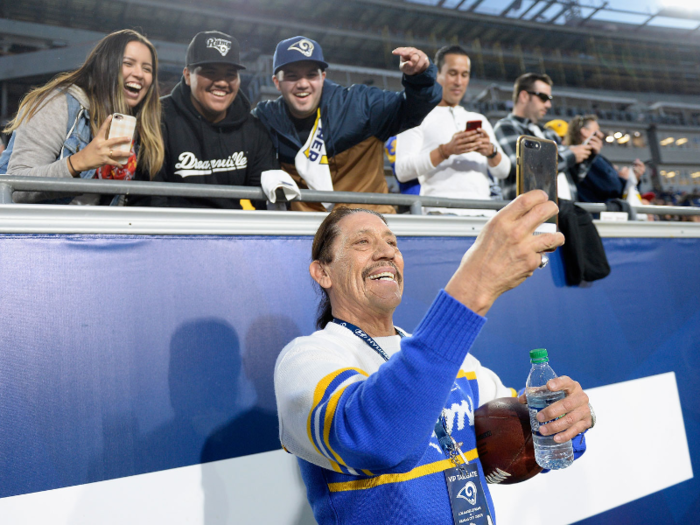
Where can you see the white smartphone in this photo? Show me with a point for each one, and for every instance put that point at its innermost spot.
(122, 126)
(589, 138)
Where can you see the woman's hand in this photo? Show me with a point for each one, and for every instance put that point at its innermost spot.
(101, 151)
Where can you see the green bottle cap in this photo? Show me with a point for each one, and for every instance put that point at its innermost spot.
(539, 355)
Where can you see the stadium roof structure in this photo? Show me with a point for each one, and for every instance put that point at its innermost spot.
(565, 39)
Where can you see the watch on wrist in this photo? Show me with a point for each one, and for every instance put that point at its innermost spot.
(495, 152)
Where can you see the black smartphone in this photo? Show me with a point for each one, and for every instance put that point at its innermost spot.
(536, 169)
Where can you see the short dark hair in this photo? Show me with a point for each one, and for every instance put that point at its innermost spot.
(527, 81)
(453, 49)
(322, 251)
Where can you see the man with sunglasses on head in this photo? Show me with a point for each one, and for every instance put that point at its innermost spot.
(331, 138)
(532, 98)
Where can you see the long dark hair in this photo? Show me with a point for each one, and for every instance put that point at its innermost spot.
(322, 251)
(100, 77)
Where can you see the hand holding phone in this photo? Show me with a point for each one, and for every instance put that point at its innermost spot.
(122, 126)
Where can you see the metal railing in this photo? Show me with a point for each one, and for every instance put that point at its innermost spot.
(11, 183)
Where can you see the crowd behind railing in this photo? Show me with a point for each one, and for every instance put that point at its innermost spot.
(316, 136)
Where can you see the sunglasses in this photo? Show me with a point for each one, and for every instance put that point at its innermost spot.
(544, 97)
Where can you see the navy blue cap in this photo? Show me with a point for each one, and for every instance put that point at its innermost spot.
(297, 49)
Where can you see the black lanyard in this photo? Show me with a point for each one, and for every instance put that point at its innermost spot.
(447, 442)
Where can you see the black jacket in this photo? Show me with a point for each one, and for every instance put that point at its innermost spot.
(234, 151)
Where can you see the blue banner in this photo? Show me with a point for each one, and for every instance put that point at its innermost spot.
(121, 355)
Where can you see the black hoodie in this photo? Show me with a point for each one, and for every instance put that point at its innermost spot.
(234, 151)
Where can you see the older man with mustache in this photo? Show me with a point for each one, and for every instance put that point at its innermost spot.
(381, 421)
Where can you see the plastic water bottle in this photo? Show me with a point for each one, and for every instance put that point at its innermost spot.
(548, 453)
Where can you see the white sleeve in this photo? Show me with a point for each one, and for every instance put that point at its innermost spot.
(411, 160)
(502, 169)
(490, 385)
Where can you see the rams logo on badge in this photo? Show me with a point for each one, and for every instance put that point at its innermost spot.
(468, 492)
(304, 47)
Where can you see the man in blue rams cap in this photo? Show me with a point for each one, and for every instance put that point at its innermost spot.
(331, 138)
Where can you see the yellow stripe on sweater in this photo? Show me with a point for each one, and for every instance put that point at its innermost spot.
(384, 479)
(318, 395)
(468, 375)
(330, 412)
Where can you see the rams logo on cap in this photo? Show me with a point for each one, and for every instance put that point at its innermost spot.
(304, 47)
(221, 45)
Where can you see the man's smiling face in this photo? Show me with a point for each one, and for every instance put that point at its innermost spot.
(366, 273)
(301, 85)
(214, 88)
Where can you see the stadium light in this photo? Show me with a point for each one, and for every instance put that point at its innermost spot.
(609, 139)
(667, 141)
(681, 141)
(617, 134)
(695, 175)
(624, 140)
(670, 174)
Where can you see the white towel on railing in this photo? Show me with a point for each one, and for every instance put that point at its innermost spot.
(271, 180)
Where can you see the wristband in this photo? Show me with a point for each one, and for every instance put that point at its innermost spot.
(495, 152)
(442, 152)
(70, 163)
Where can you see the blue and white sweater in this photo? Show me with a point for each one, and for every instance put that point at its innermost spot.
(362, 428)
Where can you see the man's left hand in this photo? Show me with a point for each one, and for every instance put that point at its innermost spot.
(574, 409)
(413, 61)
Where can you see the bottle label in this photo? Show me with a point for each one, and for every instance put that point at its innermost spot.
(545, 401)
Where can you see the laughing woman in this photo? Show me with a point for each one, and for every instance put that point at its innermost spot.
(61, 128)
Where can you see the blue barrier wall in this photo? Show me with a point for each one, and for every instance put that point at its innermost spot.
(122, 355)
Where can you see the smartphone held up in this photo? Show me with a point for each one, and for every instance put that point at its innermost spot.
(536, 169)
(122, 126)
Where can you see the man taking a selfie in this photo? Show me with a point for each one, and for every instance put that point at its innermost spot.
(380, 420)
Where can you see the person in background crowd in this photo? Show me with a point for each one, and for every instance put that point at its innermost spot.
(532, 98)
(558, 126)
(447, 160)
(61, 128)
(602, 181)
(210, 136)
(331, 138)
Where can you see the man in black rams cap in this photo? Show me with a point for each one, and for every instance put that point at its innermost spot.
(209, 134)
(331, 138)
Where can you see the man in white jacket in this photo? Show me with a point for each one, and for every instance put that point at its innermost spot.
(447, 160)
